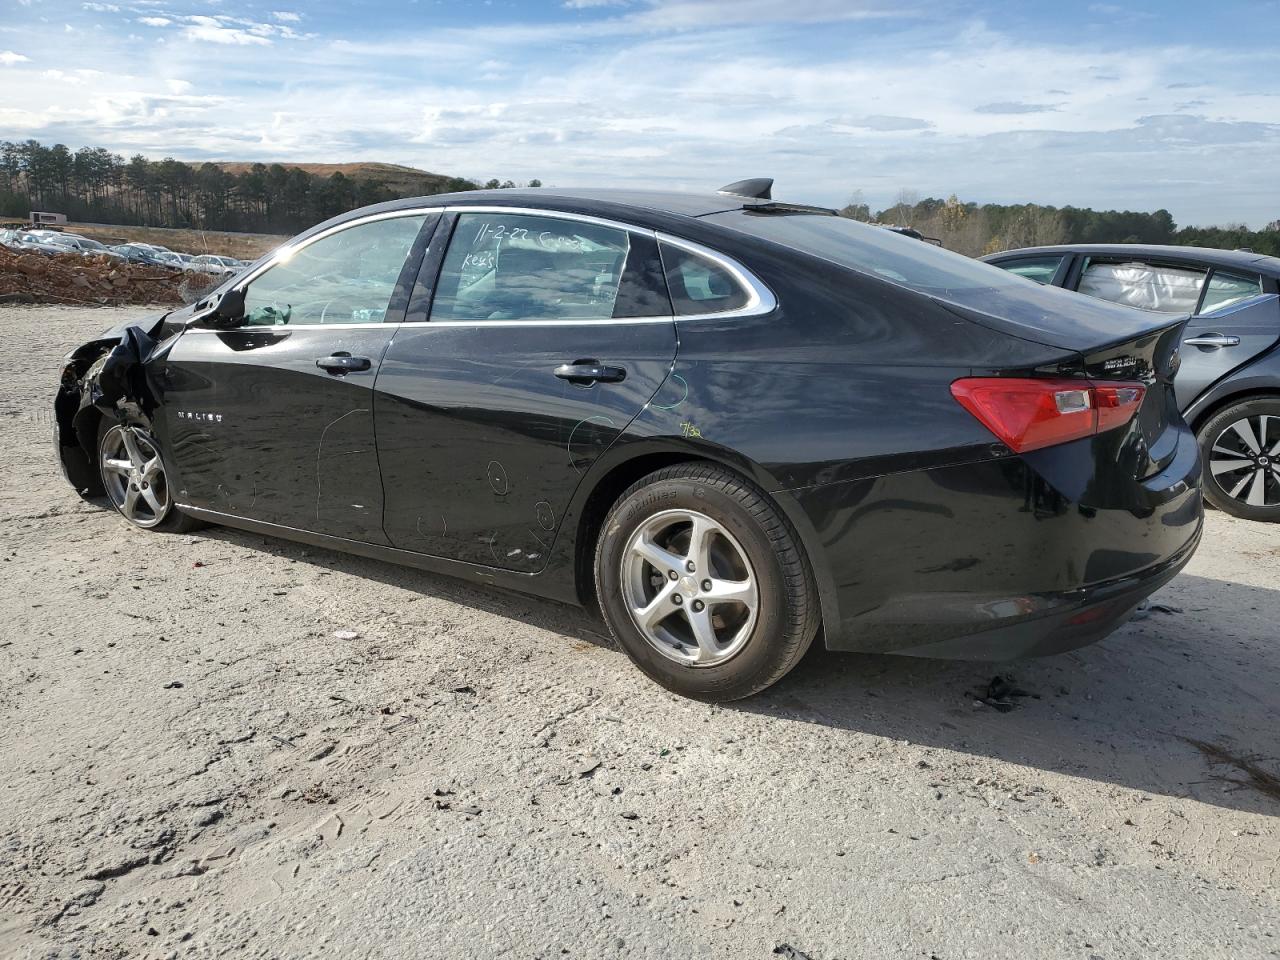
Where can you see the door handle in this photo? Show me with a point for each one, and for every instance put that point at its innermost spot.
(590, 371)
(1213, 340)
(343, 363)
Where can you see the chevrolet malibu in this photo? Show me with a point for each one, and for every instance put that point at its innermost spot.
(730, 423)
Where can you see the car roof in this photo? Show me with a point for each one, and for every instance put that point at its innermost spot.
(1209, 256)
(662, 201)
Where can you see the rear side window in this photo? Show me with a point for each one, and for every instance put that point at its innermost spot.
(503, 266)
(700, 285)
(1227, 288)
(1039, 269)
(1160, 288)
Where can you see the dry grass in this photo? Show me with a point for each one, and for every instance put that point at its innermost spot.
(406, 181)
(1264, 781)
(242, 246)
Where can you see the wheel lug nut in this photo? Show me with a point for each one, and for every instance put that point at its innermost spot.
(690, 566)
(674, 575)
(677, 599)
(698, 605)
(706, 586)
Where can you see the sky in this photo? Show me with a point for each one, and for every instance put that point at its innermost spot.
(1139, 105)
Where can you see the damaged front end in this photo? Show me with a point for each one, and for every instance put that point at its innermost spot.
(104, 380)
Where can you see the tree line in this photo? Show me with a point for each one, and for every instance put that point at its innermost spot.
(93, 184)
(975, 229)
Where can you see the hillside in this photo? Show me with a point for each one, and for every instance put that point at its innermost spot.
(405, 181)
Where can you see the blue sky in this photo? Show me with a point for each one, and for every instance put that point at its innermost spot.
(1137, 105)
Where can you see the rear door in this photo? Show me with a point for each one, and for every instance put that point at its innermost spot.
(547, 334)
(1236, 322)
(273, 420)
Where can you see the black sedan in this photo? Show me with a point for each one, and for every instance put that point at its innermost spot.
(731, 422)
(1228, 385)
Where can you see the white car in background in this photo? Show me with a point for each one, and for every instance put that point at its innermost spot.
(179, 261)
(215, 265)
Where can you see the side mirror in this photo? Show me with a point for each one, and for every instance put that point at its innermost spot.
(223, 311)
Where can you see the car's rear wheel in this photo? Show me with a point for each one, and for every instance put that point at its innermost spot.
(135, 480)
(1240, 447)
(704, 584)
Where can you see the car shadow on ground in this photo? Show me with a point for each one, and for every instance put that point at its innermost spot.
(1123, 711)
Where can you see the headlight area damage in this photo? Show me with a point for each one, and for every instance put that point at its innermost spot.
(104, 379)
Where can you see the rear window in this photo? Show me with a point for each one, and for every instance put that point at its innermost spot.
(699, 285)
(1039, 269)
(873, 250)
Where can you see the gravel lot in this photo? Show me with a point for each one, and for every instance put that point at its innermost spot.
(195, 765)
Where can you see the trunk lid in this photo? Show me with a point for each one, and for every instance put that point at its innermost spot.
(1056, 317)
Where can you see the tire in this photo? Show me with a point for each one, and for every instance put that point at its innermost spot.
(761, 613)
(1242, 444)
(126, 492)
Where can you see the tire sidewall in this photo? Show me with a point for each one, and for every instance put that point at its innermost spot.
(1208, 436)
(759, 657)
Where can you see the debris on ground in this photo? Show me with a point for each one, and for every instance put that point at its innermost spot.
(1146, 608)
(95, 280)
(1264, 781)
(790, 953)
(1001, 694)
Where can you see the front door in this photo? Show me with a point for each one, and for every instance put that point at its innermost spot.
(1236, 322)
(547, 335)
(274, 420)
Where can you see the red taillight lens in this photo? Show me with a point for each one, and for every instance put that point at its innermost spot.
(1027, 414)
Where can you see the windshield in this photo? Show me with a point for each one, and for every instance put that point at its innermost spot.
(874, 250)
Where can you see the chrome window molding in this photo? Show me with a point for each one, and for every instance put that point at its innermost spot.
(760, 298)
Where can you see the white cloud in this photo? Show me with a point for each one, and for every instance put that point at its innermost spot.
(155, 21)
(212, 30)
(101, 7)
(8, 58)
(286, 16)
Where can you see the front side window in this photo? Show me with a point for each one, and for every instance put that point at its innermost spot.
(1039, 269)
(503, 266)
(1227, 288)
(699, 285)
(346, 277)
(1148, 286)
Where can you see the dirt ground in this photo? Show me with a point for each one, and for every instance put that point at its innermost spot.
(223, 745)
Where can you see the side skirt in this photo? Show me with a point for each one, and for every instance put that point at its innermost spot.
(544, 584)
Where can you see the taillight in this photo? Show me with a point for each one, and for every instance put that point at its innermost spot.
(1027, 414)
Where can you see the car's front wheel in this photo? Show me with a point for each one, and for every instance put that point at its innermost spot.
(1240, 447)
(135, 480)
(704, 584)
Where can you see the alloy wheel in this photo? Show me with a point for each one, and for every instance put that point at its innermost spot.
(134, 476)
(689, 587)
(1245, 460)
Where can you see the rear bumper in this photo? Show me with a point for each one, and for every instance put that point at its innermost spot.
(1004, 558)
(1059, 622)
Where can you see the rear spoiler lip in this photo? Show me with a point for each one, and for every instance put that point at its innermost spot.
(1160, 324)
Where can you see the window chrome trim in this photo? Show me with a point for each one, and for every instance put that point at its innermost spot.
(760, 298)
